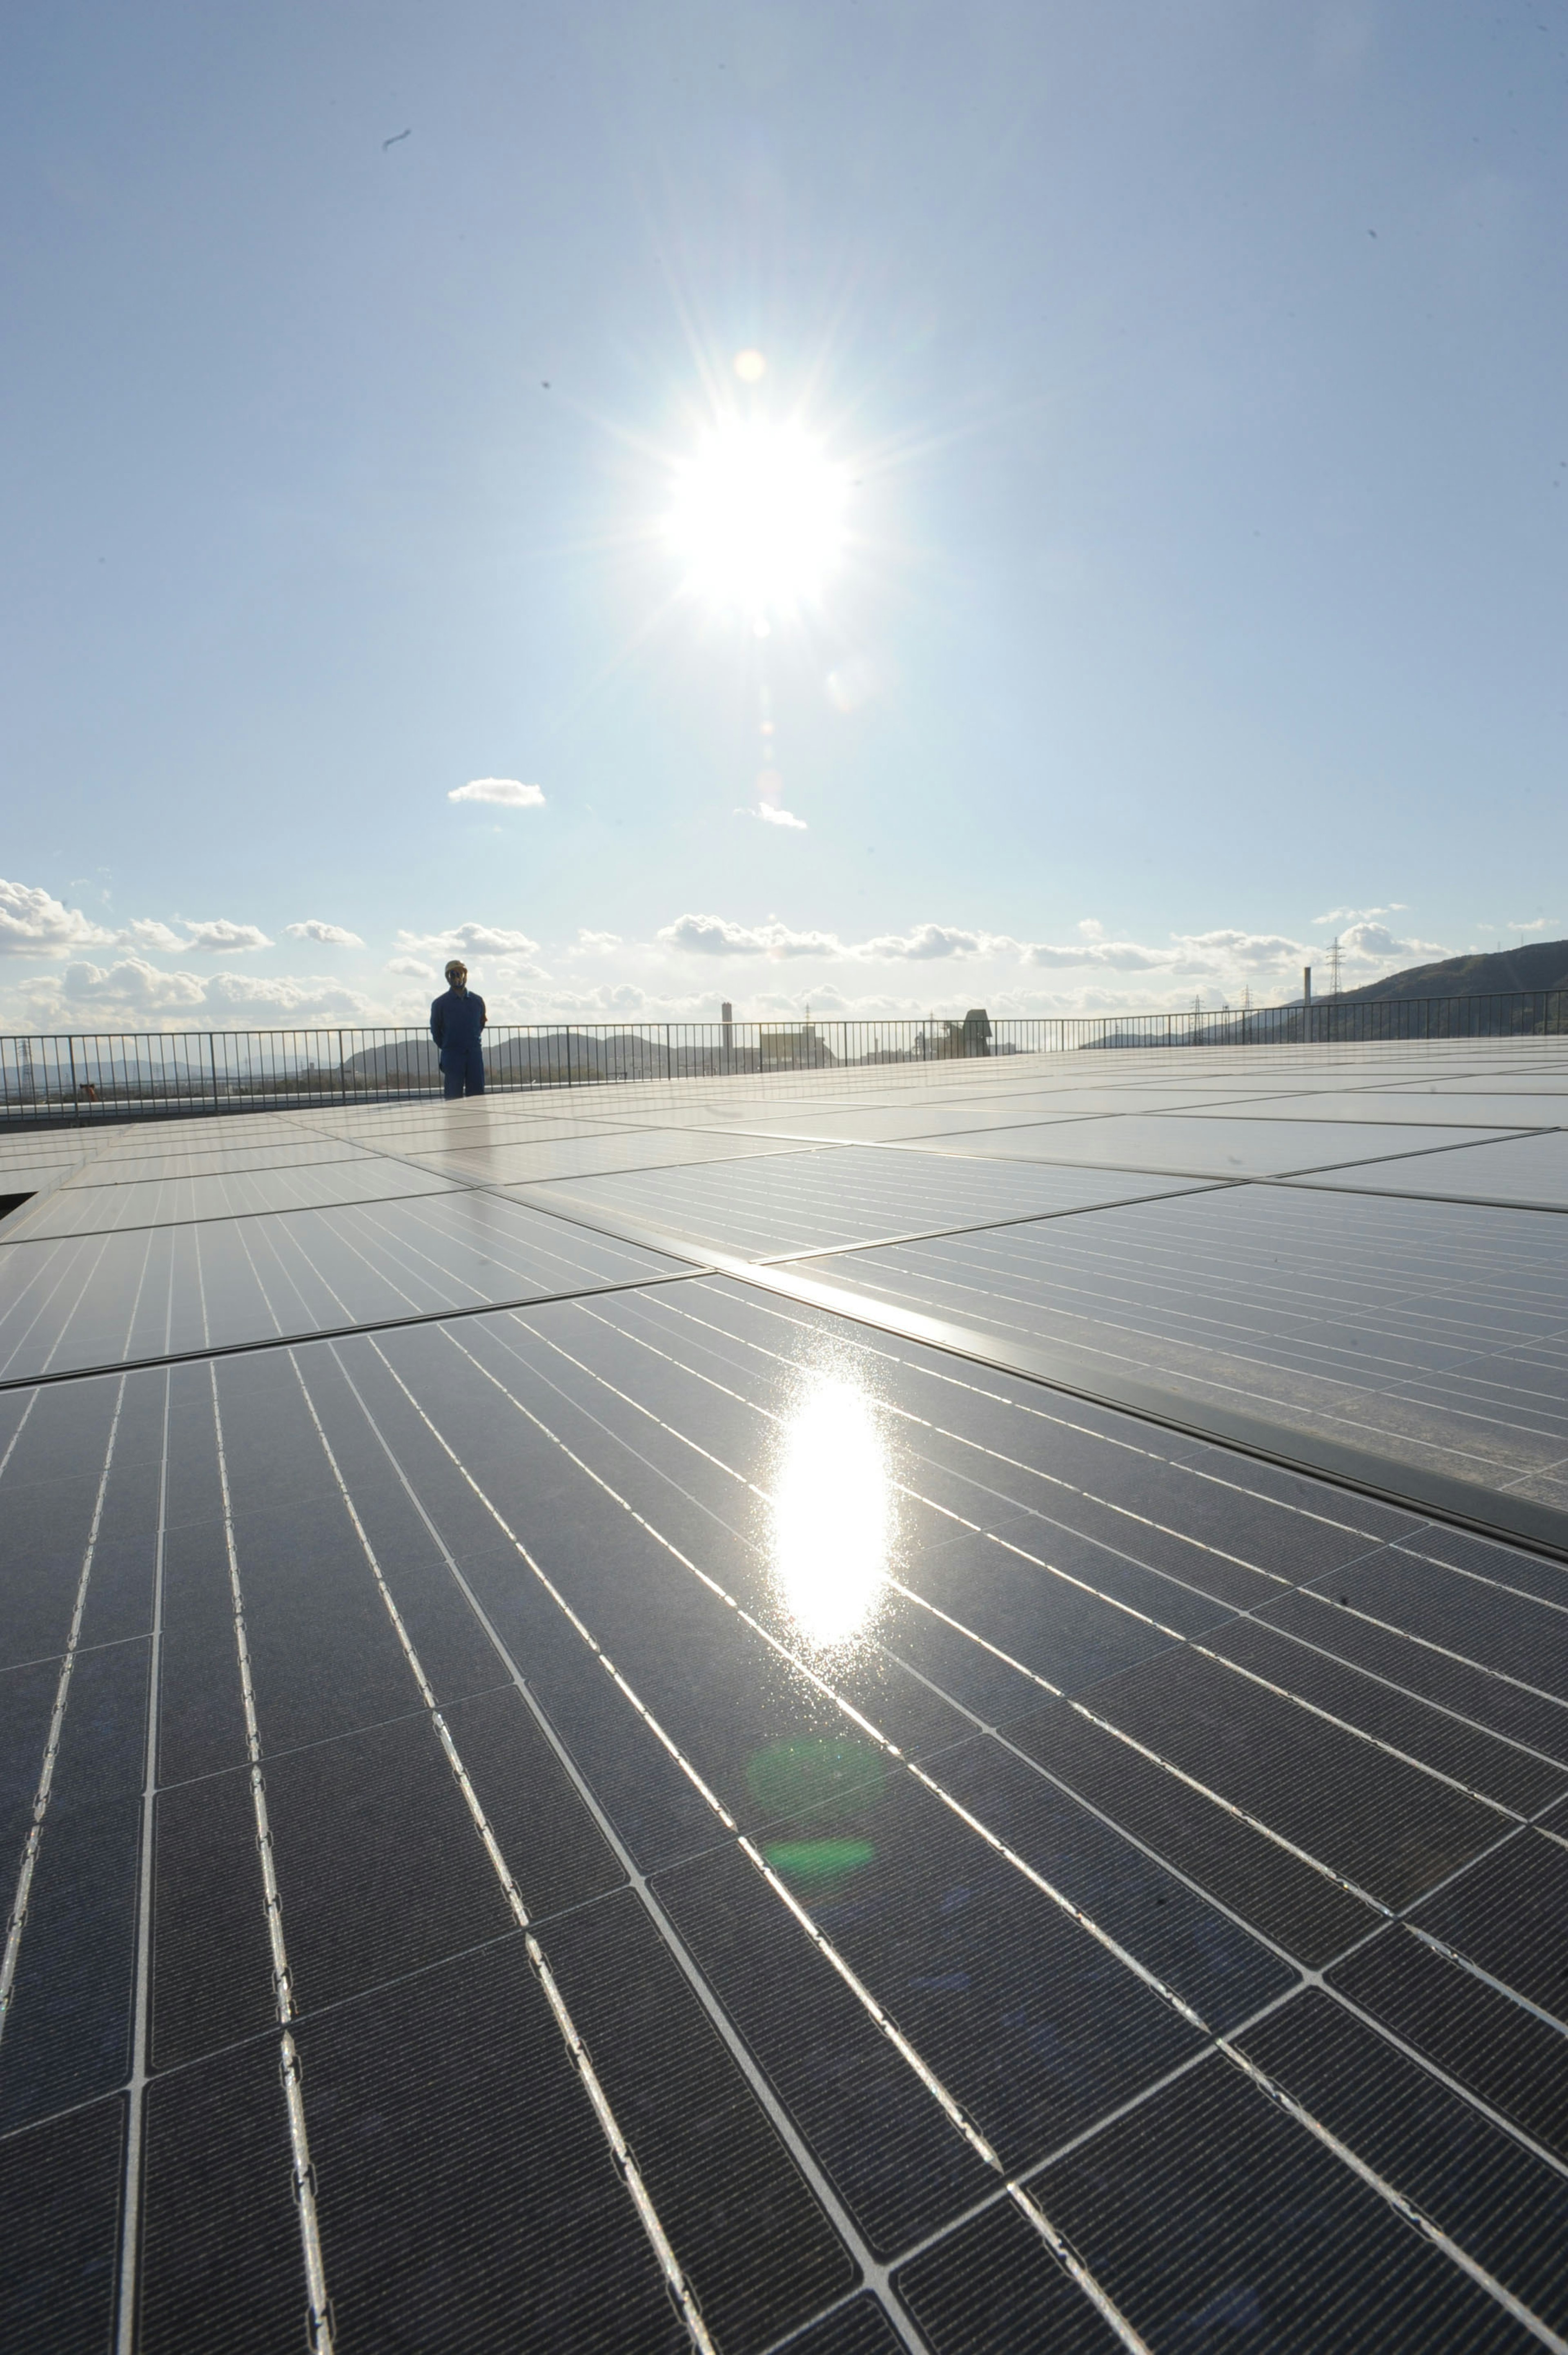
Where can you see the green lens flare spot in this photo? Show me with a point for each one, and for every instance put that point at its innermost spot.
(814, 1864)
(838, 1778)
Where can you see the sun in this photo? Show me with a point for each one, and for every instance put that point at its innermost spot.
(758, 518)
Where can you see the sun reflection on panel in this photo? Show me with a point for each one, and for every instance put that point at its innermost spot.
(833, 1512)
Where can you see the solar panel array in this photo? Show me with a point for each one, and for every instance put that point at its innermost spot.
(854, 1712)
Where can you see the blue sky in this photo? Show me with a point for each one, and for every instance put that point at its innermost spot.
(1190, 373)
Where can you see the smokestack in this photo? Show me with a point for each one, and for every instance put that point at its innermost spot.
(727, 1015)
(1307, 985)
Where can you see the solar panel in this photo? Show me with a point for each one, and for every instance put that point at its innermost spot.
(577, 1778)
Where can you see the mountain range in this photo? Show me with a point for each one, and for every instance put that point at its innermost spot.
(1543, 966)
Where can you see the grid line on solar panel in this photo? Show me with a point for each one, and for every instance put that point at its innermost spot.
(875, 2009)
(414, 1667)
(1507, 1419)
(82, 1299)
(770, 1205)
(782, 2123)
(1425, 1766)
(710, 1452)
(158, 1202)
(679, 1312)
(669, 2263)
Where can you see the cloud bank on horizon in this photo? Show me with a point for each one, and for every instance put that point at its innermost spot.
(65, 979)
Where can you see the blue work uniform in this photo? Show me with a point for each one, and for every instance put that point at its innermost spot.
(456, 1019)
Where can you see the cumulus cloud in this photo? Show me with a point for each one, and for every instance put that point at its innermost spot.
(134, 991)
(296, 997)
(717, 936)
(596, 944)
(221, 937)
(415, 968)
(332, 936)
(146, 933)
(1122, 956)
(133, 987)
(924, 941)
(1360, 915)
(1369, 944)
(33, 922)
(471, 940)
(505, 793)
(772, 816)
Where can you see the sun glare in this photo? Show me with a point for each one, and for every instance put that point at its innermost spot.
(758, 518)
(832, 1517)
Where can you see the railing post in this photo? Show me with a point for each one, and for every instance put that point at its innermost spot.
(342, 1073)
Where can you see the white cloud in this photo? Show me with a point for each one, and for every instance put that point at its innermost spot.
(146, 933)
(1358, 915)
(772, 816)
(1123, 956)
(1374, 944)
(330, 935)
(33, 922)
(414, 967)
(132, 990)
(1536, 923)
(505, 793)
(133, 987)
(717, 936)
(221, 937)
(471, 940)
(596, 944)
(924, 941)
(1092, 928)
(302, 997)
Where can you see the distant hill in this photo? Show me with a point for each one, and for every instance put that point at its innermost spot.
(1543, 966)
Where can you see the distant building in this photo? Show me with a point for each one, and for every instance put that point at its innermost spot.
(793, 1047)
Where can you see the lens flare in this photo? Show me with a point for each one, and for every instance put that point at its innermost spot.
(833, 1515)
(758, 517)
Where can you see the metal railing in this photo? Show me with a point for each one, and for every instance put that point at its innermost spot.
(127, 1075)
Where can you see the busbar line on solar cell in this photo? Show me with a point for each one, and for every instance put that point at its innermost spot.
(952, 2107)
(319, 2323)
(801, 1666)
(915, 1494)
(1484, 1578)
(784, 2125)
(965, 1383)
(1155, 1758)
(1360, 1732)
(927, 2076)
(794, 1660)
(905, 1414)
(41, 1796)
(1487, 1978)
(142, 1999)
(1192, 1276)
(678, 1755)
(625, 2165)
(1254, 1822)
(1444, 1651)
(1405, 2207)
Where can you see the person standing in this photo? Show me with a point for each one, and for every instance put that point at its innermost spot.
(456, 1020)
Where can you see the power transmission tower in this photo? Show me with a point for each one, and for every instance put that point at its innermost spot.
(1334, 966)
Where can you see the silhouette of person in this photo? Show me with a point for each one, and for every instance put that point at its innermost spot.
(456, 1019)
